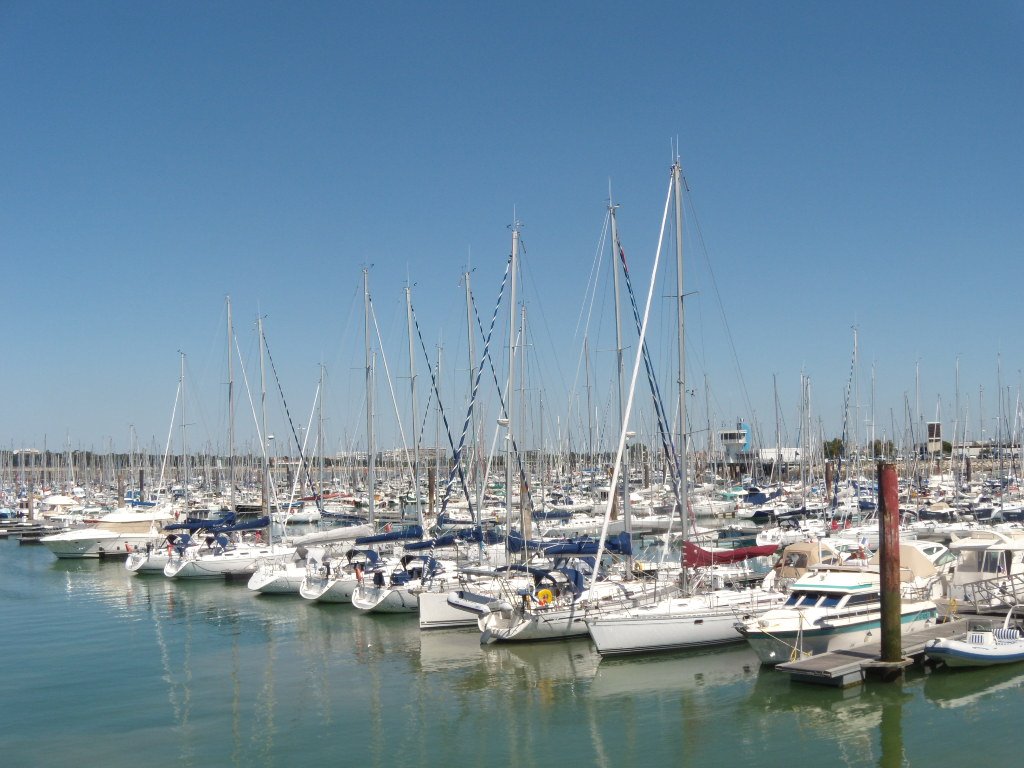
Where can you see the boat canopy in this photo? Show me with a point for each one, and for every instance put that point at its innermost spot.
(441, 541)
(339, 533)
(695, 557)
(194, 524)
(362, 556)
(616, 545)
(398, 534)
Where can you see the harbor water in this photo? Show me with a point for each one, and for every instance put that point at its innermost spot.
(108, 668)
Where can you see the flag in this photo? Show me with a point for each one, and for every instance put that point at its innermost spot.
(387, 528)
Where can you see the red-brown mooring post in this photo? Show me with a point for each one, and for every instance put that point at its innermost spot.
(889, 558)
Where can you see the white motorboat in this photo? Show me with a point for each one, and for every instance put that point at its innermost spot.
(982, 645)
(995, 556)
(114, 535)
(303, 515)
(834, 607)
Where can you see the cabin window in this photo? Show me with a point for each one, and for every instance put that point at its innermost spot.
(945, 559)
(864, 599)
(969, 562)
(830, 601)
(994, 562)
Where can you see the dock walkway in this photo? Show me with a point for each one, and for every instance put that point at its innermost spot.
(845, 668)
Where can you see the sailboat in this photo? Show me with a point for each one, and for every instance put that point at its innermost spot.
(703, 616)
(577, 585)
(699, 614)
(225, 551)
(284, 573)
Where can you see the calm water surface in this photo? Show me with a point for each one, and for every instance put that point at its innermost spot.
(107, 668)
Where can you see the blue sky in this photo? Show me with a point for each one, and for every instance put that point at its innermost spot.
(848, 165)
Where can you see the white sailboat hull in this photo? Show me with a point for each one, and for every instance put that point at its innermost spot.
(329, 590)
(554, 623)
(278, 581)
(218, 564)
(679, 623)
(370, 599)
(436, 612)
(141, 561)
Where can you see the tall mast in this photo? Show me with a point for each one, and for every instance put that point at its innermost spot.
(525, 513)
(681, 329)
(478, 475)
(320, 445)
(999, 419)
(626, 521)
(231, 413)
(371, 480)
(184, 449)
(590, 413)
(777, 464)
(856, 407)
(415, 420)
(509, 394)
(263, 420)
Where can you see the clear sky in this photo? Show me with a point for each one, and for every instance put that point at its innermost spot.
(849, 165)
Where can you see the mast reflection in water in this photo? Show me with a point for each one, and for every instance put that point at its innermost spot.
(106, 667)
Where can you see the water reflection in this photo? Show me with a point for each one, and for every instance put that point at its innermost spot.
(955, 689)
(694, 671)
(209, 673)
(861, 725)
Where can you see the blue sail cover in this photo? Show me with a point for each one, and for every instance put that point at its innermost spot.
(226, 524)
(367, 556)
(248, 525)
(194, 524)
(516, 543)
(441, 541)
(398, 534)
(616, 545)
(486, 536)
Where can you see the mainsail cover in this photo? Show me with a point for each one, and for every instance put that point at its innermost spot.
(695, 557)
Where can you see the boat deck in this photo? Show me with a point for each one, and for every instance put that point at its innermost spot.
(845, 668)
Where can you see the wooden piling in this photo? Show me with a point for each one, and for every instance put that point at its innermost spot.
(889, 557)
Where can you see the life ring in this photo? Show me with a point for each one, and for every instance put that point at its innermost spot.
(545, 596)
